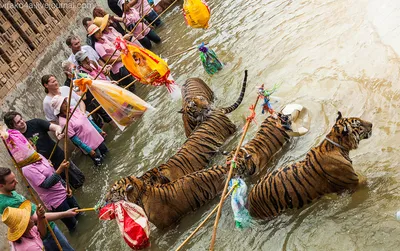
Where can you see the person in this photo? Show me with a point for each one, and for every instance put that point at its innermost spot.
(74, 42)
(106, 48)
(86, 21)
(83, 132)
(52, 88)
(90, 67)
(10, 198)
(36, 130)
(86, 66)
(143, 7)
(22, 232)
(142, 32)
(114, 21)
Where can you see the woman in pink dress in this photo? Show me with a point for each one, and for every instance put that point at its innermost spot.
(83, 132)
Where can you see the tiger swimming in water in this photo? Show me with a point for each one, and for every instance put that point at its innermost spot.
(327, 168)
(165, 204)
(196, 152)
(197, 98)
(269, 139)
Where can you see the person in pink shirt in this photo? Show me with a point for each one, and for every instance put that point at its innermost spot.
(142, 32)
(105, 48)
(50, 187)
(88, 66)
(22, 232)
(82, 131)
(144, 8)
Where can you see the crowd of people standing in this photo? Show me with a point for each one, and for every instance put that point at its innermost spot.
(24, 219)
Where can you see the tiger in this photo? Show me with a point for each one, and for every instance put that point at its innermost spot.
(196, 152)
(326, 168)
(197, 98)
(166, 204)
(269, 139)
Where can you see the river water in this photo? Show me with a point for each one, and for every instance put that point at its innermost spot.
(330, 56)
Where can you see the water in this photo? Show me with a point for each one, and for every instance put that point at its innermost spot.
(329, 56)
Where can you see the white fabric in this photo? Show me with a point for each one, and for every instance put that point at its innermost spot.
(92, 54)
(49, 111)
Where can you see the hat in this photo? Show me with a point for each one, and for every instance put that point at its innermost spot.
(80, 56)
(101, 21)
(56, 103)
(17, 220)
(300, 119)
(92, 29)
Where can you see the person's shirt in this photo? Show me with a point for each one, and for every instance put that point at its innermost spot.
(92, 55)
(29, 242)
(37, 132)
(106, 48)
(36, 173)
(138, 6)
(49, 111)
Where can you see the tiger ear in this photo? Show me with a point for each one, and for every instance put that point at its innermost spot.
(339, 116)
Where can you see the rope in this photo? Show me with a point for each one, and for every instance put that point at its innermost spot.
(32, 194)
(246, 128)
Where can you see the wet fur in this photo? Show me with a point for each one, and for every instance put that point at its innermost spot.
(166, 204)
(326, 169)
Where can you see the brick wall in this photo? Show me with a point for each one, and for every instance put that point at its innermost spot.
(27, 27)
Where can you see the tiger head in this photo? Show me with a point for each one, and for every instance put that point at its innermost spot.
(128, 188)
(197, 107)
(348, 132)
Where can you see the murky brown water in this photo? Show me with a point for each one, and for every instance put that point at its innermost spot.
(330, 56)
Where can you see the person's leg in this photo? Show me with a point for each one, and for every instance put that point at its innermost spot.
(152, 35)
(70, 222)
(50, 244)
(145, 42)
(102, 148)
(151, 17)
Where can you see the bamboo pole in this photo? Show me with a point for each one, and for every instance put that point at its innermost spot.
(246, 128)
(66, 137)
(85, 209)
(182, 52)
(99, 107)
(32, 194)
(205, 220)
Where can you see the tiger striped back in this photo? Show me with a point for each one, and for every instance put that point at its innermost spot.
(165, 204)
(327, 168)
(196, 152)
(197, 99)
(256, 154)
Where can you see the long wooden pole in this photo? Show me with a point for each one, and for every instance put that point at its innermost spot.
(32, 194)
(205, 220)
(246, 128)
(66, 157)
(183, 52)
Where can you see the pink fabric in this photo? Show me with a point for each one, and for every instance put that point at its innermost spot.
(111, 34)
(131, 18)
(20, 148)
(94, 72)
(106, 48)
(31, 243)
(80, 126)
(36, 173)
(146, 6)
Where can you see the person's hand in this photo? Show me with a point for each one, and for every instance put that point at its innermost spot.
(127, 36)
(63, 165)
(69, 192)
(71, 212)
(59, 135)
(104, 134)
(40, 211)
(114, 82)
(92, 153)
(107, 69)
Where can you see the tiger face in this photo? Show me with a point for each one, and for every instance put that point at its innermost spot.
(198, 107)
(125, 189)
(348, 132)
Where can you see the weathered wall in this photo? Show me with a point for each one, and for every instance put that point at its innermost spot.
(32, 46)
